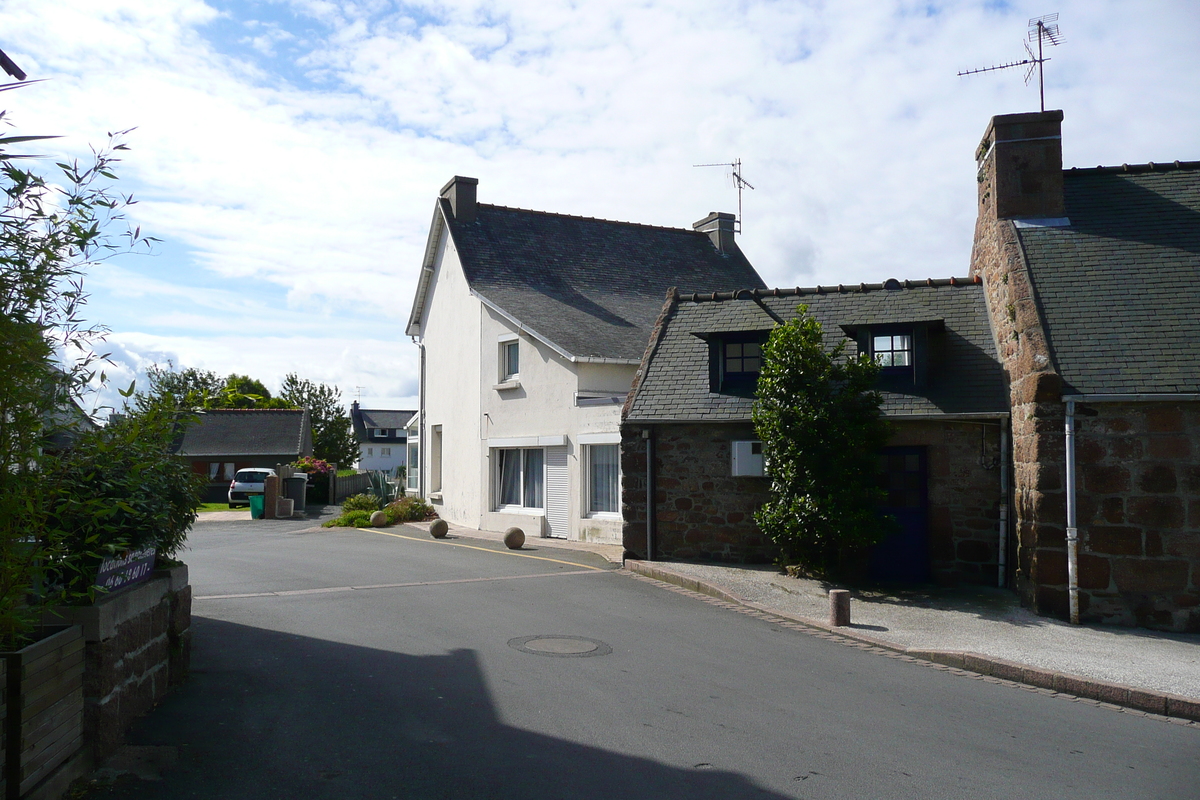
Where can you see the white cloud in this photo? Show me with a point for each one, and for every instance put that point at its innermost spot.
(292, 150)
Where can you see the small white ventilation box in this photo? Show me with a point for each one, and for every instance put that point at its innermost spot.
(748, 458)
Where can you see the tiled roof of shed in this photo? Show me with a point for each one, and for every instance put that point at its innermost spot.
(246, 432)
(1119, 288)
(964, 374)
(593, 287)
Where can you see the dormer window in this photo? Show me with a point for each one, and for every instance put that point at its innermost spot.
(735, 360)
(893, 350)
(743, 359)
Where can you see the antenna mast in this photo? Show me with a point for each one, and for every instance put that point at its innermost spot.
(1041, 29)
(735, 167)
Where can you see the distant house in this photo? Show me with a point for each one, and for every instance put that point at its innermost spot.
(224, 441)
(531, 326)
(943, 389)
(1093, 285)
(382, 437)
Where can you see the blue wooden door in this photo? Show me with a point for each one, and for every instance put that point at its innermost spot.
(904, 555)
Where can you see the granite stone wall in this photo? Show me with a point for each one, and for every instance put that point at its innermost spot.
(1138, 487)
(1138, 512)
(705, 513)
(964, 497)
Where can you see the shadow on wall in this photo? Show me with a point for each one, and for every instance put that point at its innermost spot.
(269, 714)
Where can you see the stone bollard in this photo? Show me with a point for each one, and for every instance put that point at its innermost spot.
(839, 608)
(438, 529)
(514, 538)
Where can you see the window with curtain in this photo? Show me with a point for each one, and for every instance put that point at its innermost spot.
(521, 478)
(602, 479)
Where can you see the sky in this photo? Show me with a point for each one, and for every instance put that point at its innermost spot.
(288, 153)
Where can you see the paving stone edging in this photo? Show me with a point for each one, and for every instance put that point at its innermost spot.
(1148, 701)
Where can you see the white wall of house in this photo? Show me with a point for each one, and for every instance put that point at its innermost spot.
(450, 436)
(472, 414)
(383, 455)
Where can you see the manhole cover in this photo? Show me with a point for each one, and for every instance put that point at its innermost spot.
(560, 646)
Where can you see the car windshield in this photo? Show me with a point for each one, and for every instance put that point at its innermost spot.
(250, 477)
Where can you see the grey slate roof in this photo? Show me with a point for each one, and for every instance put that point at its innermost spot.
(593, 287)
(244, 432)
(964, 377)
(364, 419)
(1120, 288)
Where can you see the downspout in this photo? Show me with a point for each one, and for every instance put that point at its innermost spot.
(421, 422)
(1001, 578)
(1072, 530)
(651, 491)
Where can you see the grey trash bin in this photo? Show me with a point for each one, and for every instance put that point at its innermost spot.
(294, 488)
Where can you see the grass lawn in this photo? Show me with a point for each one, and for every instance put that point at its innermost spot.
(213, 507)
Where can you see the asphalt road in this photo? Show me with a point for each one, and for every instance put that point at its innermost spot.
(356, 664)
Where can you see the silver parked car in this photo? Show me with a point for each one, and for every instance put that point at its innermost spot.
(245, 483)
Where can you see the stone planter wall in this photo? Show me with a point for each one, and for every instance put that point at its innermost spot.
(138, 645)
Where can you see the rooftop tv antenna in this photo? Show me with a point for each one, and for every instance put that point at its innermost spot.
(1041, 30)
(735, 173)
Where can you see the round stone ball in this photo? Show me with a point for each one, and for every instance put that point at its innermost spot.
(378, 519)
(514, 538)
(438, 529)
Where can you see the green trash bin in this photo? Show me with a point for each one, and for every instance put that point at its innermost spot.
(256, 506)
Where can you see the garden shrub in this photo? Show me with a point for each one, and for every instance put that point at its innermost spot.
(818, 416)
(360, 502)
(353, 519)
(407, 509)
(119, 488)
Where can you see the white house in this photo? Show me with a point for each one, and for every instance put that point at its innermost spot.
(382, 436)
(531, 326)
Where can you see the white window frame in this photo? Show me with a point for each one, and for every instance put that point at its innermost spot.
(744, 462)
(412, 474)
(385, 452)
(505, 343)
(497, 462)
(588, 451)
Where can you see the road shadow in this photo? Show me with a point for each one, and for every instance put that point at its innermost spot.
(269, 715)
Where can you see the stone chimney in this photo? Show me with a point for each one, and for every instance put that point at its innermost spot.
(1020, 167)
(460, 192)
(719, 227)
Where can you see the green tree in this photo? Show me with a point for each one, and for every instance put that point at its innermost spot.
(51, 231)
(242, 391)
(333, 436)
(189, 388)
(819, 420)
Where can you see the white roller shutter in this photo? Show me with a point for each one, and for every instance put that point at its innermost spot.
(556, 492)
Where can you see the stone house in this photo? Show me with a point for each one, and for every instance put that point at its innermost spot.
(1092, 279)
(226, 440)
(382, 436)
(943, 390)
(531, 326)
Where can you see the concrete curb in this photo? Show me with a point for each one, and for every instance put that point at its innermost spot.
(1150, 702)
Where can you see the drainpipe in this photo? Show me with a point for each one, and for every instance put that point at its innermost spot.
(651, 491)
(1001, 578)
(1072, 530)
(420, 422)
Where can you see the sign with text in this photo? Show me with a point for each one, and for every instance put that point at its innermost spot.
(133, 567)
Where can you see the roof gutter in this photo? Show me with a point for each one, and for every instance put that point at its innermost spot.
(523, 328)
(1132, 398)
(436, 227)
(987, 416)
